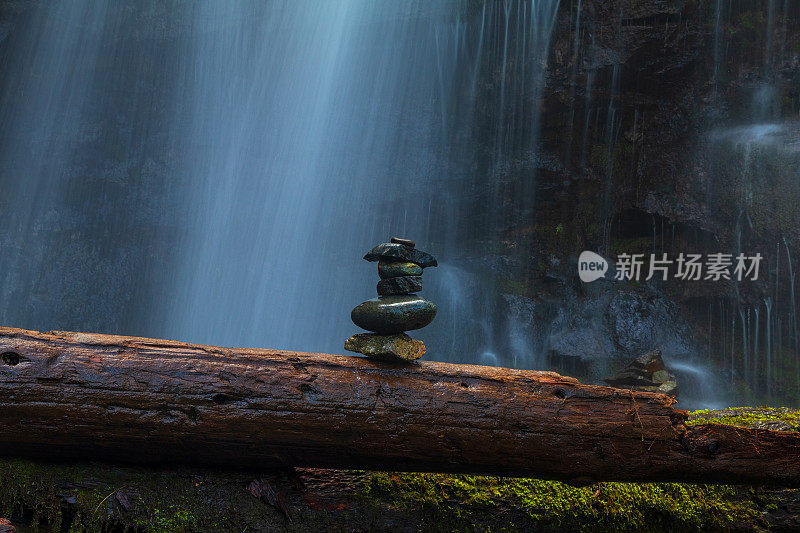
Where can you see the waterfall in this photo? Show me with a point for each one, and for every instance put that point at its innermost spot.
(717, 38)
(793, 305)
(756, 377)
(213, 171)
(768, 306)
(768, 47)
(39, 138)
(80, 209)
(267, 146)
(744, 344)
(318, 130)
(733, 345)
(573, 76)
(708, 331)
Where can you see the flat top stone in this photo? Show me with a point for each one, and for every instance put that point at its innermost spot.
(401, 252)
(407, 242)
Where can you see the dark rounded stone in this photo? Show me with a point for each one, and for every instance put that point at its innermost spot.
(405, 242)
(393, 314)
(393, 269)
(400, 285)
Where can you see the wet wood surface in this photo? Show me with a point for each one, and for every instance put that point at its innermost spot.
(78, 396)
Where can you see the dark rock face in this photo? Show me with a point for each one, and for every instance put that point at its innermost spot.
(641, 322)
(399, 347)
(641, 116)
(617, 323)
(400, 252)
(393, 314)
(400, 285)
(393, 269)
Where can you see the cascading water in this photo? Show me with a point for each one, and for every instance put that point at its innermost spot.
(39, 141)
(289, 137)
(212, 172)
(82, 147)
(759, 147)
(315, 132)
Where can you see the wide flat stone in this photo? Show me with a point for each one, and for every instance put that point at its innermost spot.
(399, 347)
(393, 269)
(401, 252)
(400, 285)
(393, 314)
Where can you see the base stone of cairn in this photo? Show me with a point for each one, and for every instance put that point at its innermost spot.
(386, 347)
(397, 308)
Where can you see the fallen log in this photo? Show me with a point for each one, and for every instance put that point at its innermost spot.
(79, 396)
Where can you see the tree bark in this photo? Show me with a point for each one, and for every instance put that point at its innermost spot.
(79, 396)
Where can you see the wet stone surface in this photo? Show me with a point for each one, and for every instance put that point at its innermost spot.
(400, 285)
(393, 314)
(400, 252)
(399, 347)
(393, 269)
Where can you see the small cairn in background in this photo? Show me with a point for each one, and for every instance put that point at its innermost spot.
(646, 373)
(397, 308)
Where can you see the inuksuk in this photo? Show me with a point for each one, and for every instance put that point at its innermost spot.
(646, 373)
(397, 308)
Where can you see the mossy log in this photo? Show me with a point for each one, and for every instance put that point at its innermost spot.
(77, 396)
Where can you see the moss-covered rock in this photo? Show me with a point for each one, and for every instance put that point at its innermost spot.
(777, 419)
(478, 503)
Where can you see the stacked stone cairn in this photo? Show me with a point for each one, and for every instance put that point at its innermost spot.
(397, 308)
(646, 373)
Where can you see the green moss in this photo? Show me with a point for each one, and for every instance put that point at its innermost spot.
(510, 286)
(598, 156)
(160, 501)
(746, 416)
(460, 502)
(192, 500)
